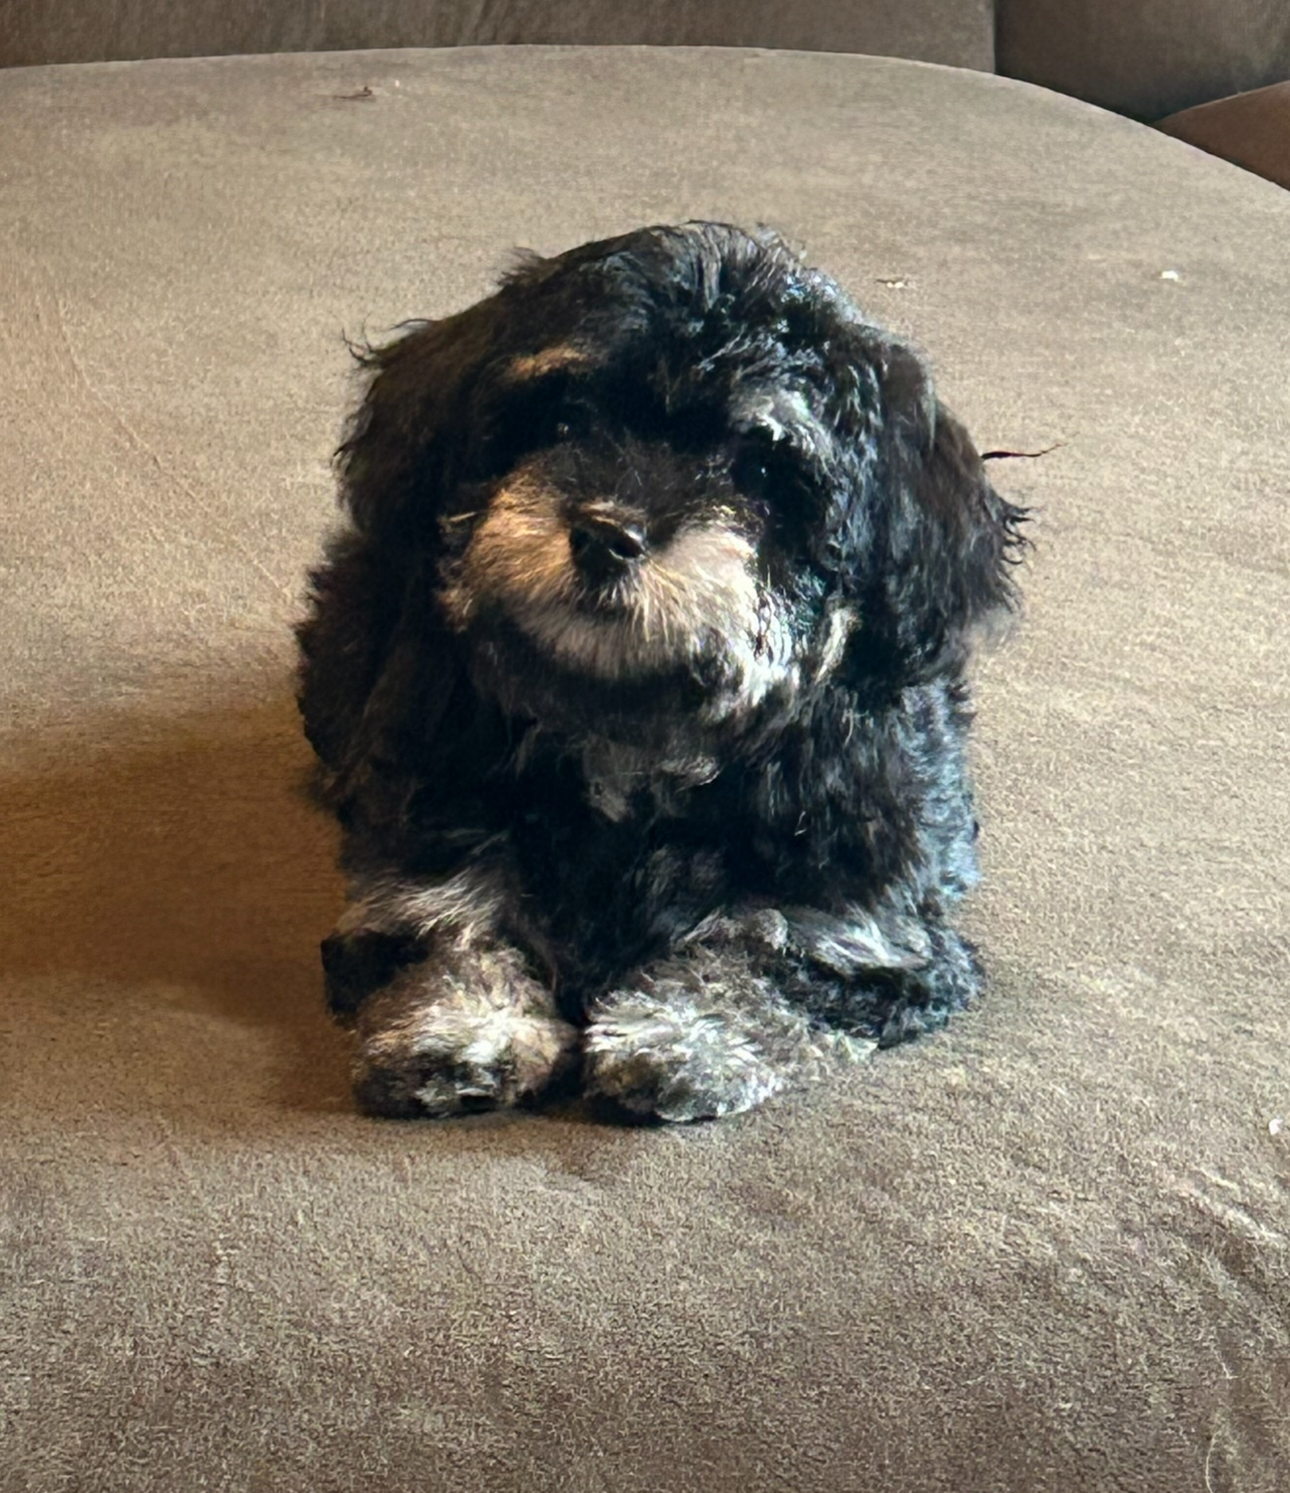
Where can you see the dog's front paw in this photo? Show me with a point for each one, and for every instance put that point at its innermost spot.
(459, 1053)
(674, 1060)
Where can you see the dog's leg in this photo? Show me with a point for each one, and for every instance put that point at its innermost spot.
(706, 1033)
(449, 1016)
(464, 1029)
(756, 1002)
(888, 977)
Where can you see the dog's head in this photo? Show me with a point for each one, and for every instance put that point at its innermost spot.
(676, 471)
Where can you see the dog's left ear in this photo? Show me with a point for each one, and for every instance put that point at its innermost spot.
(947, 542)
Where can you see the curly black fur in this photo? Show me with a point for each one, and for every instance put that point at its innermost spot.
(637, 681)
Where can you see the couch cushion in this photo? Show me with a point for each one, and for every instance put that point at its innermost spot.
(1249, 129)
(1044, 1250)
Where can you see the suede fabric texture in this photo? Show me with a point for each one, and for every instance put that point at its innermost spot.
(1145, 59)
(1252, 130)
(1047, 1249)
(956, 32)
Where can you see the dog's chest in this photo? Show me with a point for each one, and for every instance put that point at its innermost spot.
(623, 780)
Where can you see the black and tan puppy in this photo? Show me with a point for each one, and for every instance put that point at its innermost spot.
(637, 680)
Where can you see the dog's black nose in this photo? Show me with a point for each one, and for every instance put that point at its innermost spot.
(603, 546)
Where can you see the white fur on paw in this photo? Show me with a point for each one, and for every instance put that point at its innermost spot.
(676, 1061)
(445, 1060)
(692, 1045)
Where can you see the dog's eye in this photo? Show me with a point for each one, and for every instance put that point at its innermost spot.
(751, 471)
(752, 474)
(572, 423)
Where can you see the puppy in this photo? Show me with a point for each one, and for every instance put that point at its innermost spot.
(637, 679)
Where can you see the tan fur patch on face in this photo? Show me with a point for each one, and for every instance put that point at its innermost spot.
(519, 555)
(549, 360)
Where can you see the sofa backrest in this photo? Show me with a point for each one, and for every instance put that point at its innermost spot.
(957, 32)
(1144, 58)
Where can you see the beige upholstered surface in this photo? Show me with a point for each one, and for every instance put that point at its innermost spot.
(1047, 1250)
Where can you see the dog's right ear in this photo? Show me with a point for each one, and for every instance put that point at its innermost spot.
(396, 461)
(370, 628)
